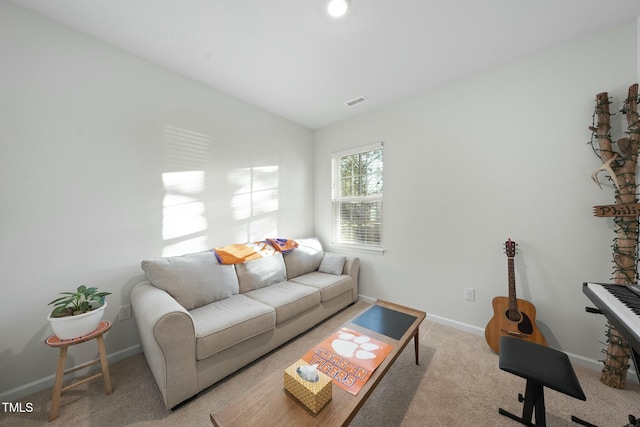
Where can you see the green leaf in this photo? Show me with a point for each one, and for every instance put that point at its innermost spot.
(90, 291)
(56, 300)
(102, 294)
(56, 311)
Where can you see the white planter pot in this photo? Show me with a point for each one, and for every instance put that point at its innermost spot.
(70, 327)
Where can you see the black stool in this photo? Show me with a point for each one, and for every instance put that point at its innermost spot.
(542, 367)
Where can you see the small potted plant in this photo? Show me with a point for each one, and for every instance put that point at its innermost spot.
(77, 313)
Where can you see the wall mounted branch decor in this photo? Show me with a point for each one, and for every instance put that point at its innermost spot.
(621, 166)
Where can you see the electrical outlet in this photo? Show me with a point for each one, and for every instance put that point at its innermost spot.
(470, 294)
(125, 312)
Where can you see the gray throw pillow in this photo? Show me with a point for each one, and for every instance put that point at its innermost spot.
(332, 264)
(193, 280)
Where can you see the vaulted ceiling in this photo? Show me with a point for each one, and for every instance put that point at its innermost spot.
(290, 58)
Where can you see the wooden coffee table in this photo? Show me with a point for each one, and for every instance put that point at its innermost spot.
(268, 404)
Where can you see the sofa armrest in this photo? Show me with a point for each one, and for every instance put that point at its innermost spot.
(168, 339)
(351, 268)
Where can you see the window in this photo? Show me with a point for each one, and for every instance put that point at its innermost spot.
(356, 197)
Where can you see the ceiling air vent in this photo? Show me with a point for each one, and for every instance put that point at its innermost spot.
(356, 101)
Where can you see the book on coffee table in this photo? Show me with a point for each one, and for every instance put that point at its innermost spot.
(348, 357)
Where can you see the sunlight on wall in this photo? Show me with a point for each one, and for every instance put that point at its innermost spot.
(183, 211)
(184, 222)
(255, 201)
(246, 205)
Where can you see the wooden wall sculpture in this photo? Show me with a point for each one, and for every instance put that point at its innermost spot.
(620, 162)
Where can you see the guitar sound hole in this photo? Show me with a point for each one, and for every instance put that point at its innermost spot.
(513, 315)
(525, 325)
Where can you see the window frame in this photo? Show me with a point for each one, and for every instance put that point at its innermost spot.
(336, 197)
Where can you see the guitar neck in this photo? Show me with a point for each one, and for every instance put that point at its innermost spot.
(513, 306)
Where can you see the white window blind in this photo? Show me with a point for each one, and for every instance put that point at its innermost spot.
(357, 196)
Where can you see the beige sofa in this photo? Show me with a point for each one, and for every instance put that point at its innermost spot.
(200, 321)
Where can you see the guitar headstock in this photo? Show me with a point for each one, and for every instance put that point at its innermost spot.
(510, 248)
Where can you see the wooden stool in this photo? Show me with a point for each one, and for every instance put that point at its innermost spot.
(542, 367)
(54, 341)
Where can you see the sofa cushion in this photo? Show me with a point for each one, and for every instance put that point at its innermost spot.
(305, 258)
(193, 280)
(227, 322)
(258, 273)
(332, 264)
(330, 285)
(287, 298)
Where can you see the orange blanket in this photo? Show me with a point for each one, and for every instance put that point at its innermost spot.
(238, 253)
(283, 245)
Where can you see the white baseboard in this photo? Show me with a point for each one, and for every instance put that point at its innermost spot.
(366, 299)
(456, 325)
(47, 382)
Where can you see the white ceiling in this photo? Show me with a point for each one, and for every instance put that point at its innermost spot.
(289, 57)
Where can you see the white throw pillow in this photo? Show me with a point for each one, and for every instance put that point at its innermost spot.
(332, 263)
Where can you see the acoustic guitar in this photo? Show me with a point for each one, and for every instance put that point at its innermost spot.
(512, 316)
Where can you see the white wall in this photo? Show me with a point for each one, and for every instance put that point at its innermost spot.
(87, 134)
(493, 156)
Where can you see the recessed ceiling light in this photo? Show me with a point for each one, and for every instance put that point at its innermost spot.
(337, 8)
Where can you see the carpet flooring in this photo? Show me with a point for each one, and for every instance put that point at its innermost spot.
(458, 383)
